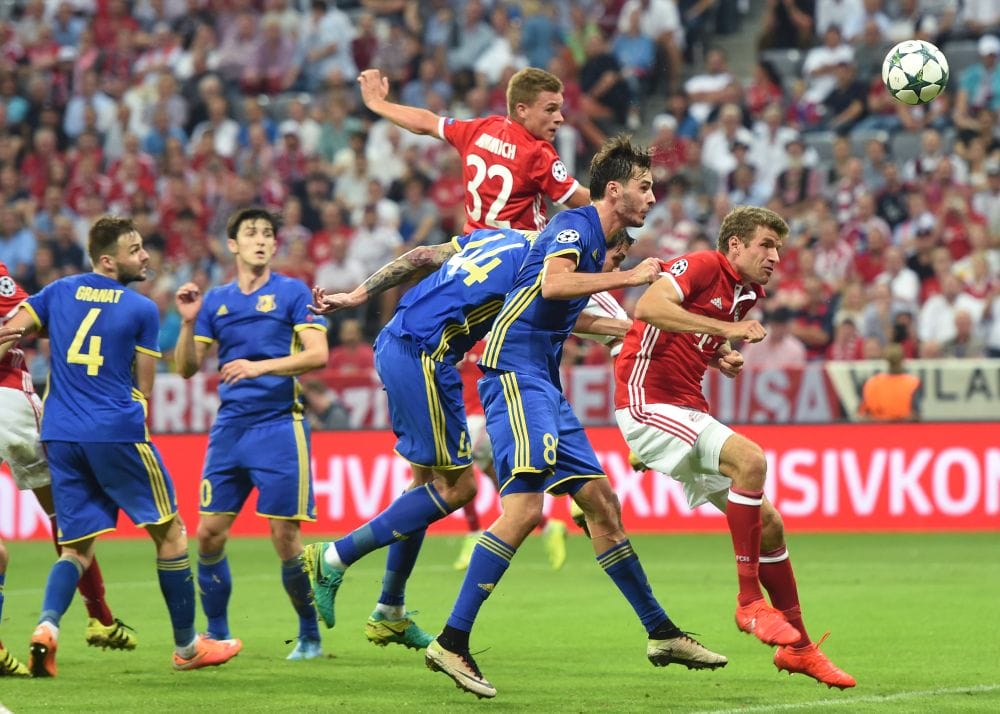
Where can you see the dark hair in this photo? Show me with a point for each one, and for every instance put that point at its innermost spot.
(104, 234)
(252, 213)
(617, 160)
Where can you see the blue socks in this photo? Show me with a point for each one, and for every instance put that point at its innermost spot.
(215, 585)
(398, 566)
(413, 511)
(490, 560)
(59, 589)
(296, 582)
(177, 586)
(623, 567)
(3, 579)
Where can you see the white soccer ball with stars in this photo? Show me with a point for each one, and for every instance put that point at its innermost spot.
(915, 72)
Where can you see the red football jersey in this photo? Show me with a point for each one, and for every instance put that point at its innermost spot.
(506, 172)
(13, 370)
(657, 367)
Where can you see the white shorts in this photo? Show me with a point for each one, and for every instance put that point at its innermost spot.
(19, 444)
(482, 449)
(683, 443)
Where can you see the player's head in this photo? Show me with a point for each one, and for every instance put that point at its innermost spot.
(252, 236)
(617, 250)
(115, 249)
(620, 173)
(751, 238)
(534, 100)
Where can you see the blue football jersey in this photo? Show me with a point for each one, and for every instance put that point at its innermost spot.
(453, 308)
(262, 325)
(529, 332)
(96, 325)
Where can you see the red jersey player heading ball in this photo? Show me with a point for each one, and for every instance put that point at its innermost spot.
(508, 163)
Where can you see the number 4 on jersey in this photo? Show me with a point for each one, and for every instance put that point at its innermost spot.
(92, 358)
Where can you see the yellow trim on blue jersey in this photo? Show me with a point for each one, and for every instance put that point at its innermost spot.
(151, 353)
(510, 312)
(588, 477)
(451, 467)
(454, 244)
(272, 517)
(88, 536)
(518, 422)
(161, 495)
(34, 315)
(308, 326)
(481, 314)
(159, 522)
(302, 451)
(561, 253)
(438, 424)
(206, 340)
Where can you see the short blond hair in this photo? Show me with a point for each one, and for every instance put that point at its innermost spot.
(743, 222)
(526, 84)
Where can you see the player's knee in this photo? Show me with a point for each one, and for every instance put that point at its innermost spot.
(751, 467)
(457, 489)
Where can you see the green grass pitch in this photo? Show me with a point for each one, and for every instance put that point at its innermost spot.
(914, 617)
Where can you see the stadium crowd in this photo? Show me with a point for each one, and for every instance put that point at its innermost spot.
(179, 112)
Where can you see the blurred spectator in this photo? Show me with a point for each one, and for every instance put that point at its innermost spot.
(968, 341)
(323, 410)
(844, 106)
(787, 24)
(717, 152)
(582, 26)
(979, 86)
(41, 271)
(17, 243)
(272, 68)
(636, 53)
(893, 395)
(936, 321)
(711, 89)
(847, 343)
(781, 349)
(420, 223)
(352, 354)
(764, 90)
(607, 98)
(834, 255)
(660, 20)
(430, 78)
(541, 34)
(472, 37)
(820, 65)
(812, 321)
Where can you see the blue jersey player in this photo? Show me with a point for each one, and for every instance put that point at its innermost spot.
(435, 324)
(538, 443)
(265, 336)
(104, 350)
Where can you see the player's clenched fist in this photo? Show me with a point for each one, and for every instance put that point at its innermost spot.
(646, 272)
(746, 331)
(188, 299)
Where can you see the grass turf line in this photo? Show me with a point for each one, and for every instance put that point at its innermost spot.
(913, 618)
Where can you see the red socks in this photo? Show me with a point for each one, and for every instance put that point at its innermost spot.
(743, 517)
(471, 517)
(778, 579)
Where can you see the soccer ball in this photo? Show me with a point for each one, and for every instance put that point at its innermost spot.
(915, 72)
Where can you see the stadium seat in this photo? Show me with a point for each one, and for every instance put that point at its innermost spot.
(905, 146)
(960, 54)
(787, 62)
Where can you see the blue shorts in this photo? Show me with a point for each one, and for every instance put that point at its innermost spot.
(91, 481)
(425, 402)
(538, 443)
(273, 457)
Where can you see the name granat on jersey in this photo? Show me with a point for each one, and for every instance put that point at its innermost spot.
(89, 294)
(495, 146)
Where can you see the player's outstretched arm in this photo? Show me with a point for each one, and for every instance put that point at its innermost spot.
(188, 354)
(590, 324)
(20, 325)
(374, 90)
(660, 306)
(560, 281)
(417, 263)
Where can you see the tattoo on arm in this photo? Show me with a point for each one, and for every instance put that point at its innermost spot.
(416, 263)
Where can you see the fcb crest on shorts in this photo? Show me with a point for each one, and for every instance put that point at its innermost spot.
(265, 303)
